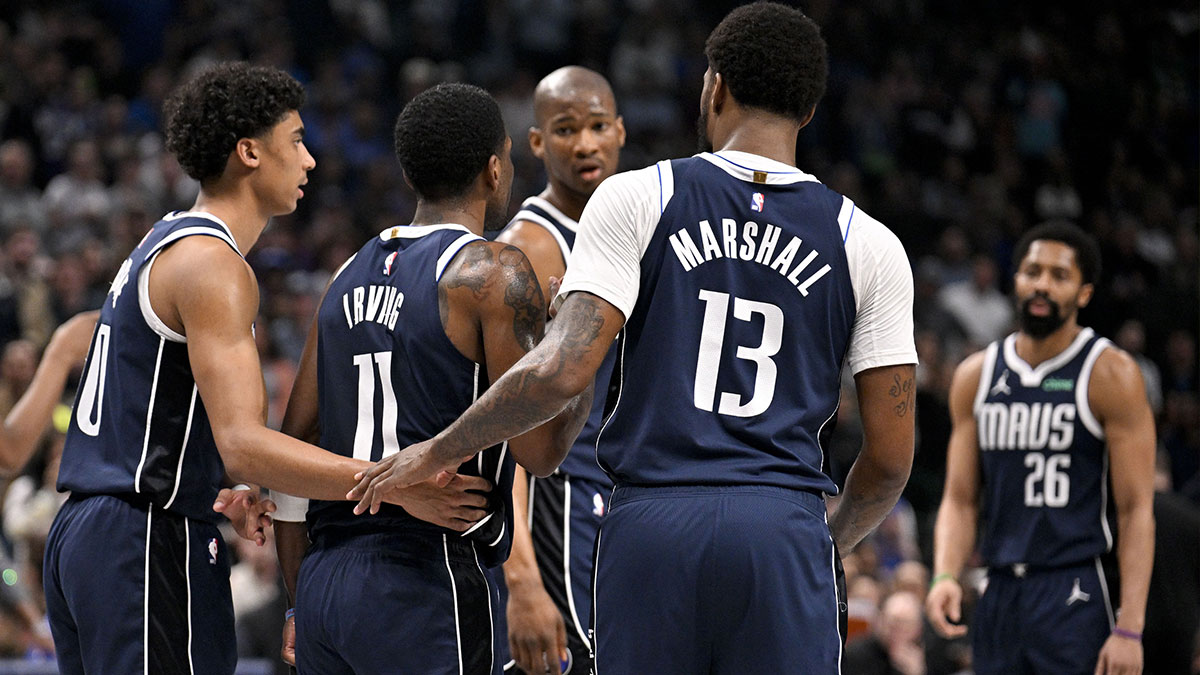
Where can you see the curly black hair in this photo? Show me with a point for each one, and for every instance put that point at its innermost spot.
(772, 57)
(445, 136)
(229, 101)
(1087, 251)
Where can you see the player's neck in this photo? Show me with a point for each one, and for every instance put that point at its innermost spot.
(468, 214)
(239, 210)
(570, 203)
(1037, 350)
(763, 135)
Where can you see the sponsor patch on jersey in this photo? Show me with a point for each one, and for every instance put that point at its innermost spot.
(1058, 384)
(757, 201)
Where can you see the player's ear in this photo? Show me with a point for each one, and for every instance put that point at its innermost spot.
(248, 152)
(719, 93)
(620, 123)
(1085, 294)
(537, 142)
(494, 172)
(808, 118)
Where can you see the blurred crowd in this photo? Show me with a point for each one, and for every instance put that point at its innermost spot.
(958, 125)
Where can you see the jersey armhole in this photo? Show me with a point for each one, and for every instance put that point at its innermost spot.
(152, 319)
(1081, 392)
(985, 375)
(451, 251)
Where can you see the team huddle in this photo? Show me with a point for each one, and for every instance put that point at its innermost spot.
(599, 442)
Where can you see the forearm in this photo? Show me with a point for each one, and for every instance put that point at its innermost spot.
(871, 491)
(258, 455)
(953, 537)
(1135, 558)
(291, 544)
(521, 570)
(28, 418)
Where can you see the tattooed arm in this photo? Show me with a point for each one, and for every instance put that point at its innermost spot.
(886, 397)
(555, 376)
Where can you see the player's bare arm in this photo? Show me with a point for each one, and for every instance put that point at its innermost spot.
(540, 248)
(886, 397)
(557, 374)
(27, 419)
(954, 533)
(1115, 394)
(215, 310)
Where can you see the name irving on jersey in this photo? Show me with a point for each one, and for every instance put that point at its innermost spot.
(379, 304)
(752, 247)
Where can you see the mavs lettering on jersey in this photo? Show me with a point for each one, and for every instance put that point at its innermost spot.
(140, 430)
(1044, 463)
(389, 376)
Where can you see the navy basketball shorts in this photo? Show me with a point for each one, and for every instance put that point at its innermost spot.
(732, 579)
(137, 590)
(394, 603)
(1046, 621)
(564, 517)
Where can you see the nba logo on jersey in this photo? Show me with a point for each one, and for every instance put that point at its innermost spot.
(757, 200)
(598, 504)
(387, 264)
(212, 551)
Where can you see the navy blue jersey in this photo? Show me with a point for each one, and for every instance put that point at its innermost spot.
(731, 358)
(581, 459)
(1043, 459)
(139, 428)
(388, 376)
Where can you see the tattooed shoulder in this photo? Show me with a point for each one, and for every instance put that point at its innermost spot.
(523, 294)
(472, 268)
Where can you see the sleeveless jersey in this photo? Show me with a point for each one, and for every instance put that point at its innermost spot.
(730, 361)
(580, 461)
(139, 429)
(1043, 459)
(388, 376)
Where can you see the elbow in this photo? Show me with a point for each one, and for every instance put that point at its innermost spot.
(234, 449)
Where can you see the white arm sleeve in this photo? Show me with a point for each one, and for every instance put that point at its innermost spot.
(289, 509)
(883, 292)
(614, 231)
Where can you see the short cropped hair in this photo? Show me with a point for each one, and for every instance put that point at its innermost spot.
(771, 57)
(445, 136)
(206, 117)
(1087, 251)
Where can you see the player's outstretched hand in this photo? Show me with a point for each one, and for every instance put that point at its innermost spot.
(71, 340)
(1120, 656)
(944, 604)
(536, 634)
(382, 482)
(248, 511)
(457, 506)
(288, 651)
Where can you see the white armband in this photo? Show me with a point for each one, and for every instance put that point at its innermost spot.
(289, 509)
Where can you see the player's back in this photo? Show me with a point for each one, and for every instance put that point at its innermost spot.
(388, 375)
(140, 430)
(731, 358)
(1043, 460)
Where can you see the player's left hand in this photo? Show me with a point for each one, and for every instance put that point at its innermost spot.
(248, 511)
(537, 636)
(1120, 656)
(288, 651)
(410, 466)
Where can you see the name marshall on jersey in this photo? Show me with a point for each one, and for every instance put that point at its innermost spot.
(1026, 426)
(380, 304)
(752, 247)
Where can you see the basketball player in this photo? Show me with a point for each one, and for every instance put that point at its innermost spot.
(172, 405)
(1046, 423)
(411, 330)
(578, 137)
(743, 286)
(24, 424)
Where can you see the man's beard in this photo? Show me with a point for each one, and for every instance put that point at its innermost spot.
(703, 142)
(1040, 326)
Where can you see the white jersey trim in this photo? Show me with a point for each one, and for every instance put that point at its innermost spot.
(737, 164)
(1032, 377)
(985, 375)
(454, 596)
(176, 215)
(187, 433)
(416, 231)
(563, 219)
(1081, 389)
(451, 251)
(148, 315)
(567, 564)
(530, 216)
(187, 579)
(137, 476)
(146, 597)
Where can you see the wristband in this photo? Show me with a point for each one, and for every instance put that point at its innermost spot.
(289, 614)
(941, 577)
(1127, 634)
